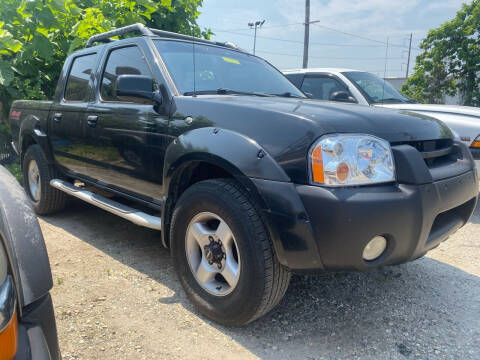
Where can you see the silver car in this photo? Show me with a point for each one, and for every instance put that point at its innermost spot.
(346, 85)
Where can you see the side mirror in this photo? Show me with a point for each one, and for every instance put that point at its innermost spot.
(137, 87)
(342, 96)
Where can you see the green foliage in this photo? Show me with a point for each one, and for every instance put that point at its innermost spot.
(14, 167)
(37, 35)
(4, 130)
(450, 62)
(16, 170)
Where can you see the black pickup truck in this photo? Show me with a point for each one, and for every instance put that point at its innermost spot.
(246, 177)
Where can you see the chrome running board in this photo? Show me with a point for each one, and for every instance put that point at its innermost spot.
(136, 216)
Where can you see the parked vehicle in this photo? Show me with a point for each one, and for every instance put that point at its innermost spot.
(27, 320)
(364, 88)
(252, 179)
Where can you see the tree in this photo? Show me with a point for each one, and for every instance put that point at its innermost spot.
(450, 62)
(37, 35)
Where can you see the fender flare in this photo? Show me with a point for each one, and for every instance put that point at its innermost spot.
(236, 153)
(23, 241)
(31, 126)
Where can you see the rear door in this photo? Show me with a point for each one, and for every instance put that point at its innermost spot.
(67, 122)
(128, 136)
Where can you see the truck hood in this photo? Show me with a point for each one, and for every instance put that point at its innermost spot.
(287, 127)
(322, 117)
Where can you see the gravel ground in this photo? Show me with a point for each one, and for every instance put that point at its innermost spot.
(116, 297)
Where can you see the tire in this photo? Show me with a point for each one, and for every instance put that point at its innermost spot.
(261, 280)
(48, 199)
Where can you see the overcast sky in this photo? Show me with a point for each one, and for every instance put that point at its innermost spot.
(373, 19)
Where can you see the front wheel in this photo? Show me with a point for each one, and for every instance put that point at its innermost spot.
(223, 254)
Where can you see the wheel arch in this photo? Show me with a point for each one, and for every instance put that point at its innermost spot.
(31, 134)
(23, 241)
(209, 153)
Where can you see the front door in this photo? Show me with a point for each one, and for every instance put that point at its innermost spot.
(128, 136)
(322, 87)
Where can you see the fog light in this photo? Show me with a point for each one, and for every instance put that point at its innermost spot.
(374, 248)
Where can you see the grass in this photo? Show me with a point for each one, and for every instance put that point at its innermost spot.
(15, 167)
(16, 171)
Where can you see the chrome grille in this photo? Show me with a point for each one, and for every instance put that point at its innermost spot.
(434, 152)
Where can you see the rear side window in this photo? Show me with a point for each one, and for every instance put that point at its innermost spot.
(123, 61)
(77, 88)
(322, 87)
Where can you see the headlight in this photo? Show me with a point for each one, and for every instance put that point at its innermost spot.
(351, 159)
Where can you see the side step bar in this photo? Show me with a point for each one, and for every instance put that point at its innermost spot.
(136, 216)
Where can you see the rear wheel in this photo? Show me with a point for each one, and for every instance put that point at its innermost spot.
(223, 254)
(37, 174)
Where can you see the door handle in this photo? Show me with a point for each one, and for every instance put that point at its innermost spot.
(92, 120)
(57, 117)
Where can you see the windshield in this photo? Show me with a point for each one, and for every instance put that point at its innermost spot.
(376, 90)
(222, 71)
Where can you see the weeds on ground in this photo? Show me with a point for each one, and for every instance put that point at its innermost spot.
(16, 171)
(14, 167)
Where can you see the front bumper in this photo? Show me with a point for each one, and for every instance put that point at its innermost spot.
(324, 228)
(413, 219)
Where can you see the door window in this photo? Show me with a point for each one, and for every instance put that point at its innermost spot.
(322, 87)
(123, 61)
(78, 88)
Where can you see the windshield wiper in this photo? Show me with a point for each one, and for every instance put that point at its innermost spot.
(288, 94)
(222, 91)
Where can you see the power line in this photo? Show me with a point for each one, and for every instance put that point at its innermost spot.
(358, 36)
(328, 57)
(381, 44)
(300, 42)
(265, 27)
(364, 37)
(232, 31)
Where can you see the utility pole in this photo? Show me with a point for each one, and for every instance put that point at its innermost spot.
(307, 34)
(255, 25)
(409, 52)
